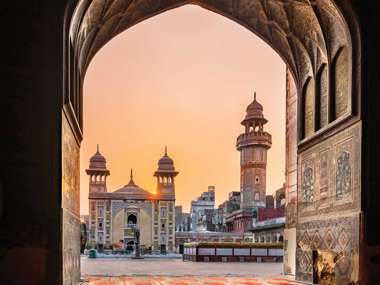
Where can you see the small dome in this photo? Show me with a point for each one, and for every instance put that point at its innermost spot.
(165, 162)
(98, 161)
(255, 109)
(254, 112)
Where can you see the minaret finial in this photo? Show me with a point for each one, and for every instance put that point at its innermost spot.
(254, 96)
(166, 150)
(97, 148)
(131, 174)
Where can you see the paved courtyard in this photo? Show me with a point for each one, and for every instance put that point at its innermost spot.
(122, 271)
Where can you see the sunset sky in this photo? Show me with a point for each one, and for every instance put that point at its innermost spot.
(182, 79)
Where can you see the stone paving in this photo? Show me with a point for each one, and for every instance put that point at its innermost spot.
(111, 271)
(186, 280)
(175, 267)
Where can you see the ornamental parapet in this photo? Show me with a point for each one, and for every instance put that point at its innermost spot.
(254, 138)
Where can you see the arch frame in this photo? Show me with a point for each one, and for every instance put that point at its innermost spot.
(73, 79)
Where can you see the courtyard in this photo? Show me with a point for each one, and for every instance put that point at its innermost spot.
(123, 271)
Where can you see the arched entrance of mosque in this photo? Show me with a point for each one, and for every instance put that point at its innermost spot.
(132, 220)
(320, 43)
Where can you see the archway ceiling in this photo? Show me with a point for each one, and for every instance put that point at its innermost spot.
(305, 33)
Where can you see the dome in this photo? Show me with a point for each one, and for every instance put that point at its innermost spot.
(165, 162)
(131, 188)
(254, 111)
(98, 161)
(255, 108)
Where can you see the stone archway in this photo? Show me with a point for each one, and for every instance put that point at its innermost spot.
(319, 42)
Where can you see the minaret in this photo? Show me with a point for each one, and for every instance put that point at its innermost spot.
(165, 175)
(97, 172)
(253, 145)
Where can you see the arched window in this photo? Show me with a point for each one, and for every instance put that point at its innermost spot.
(132, 220)
(322, 97)
(308, 108)
(340, 84)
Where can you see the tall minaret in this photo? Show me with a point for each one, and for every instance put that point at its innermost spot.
(253, 145)
(98, 173)
(165, 175)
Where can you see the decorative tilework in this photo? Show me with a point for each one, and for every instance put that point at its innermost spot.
(117, 206)
(317, 240)
(323, 173)
(308, 185)
(343, 175)
(336, 173)
(329, 239)
(338, 235)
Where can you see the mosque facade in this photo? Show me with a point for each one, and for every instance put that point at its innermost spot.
(116, 216)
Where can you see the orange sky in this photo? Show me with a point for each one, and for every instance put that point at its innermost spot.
(181, 79)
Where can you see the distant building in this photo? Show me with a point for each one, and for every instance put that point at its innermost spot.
(206, 224)
(279, 197)
(269, 201)
(182, 220)
(224, 210)
(85, 219)
(116, 216)
(233, 202)
(249, 211)
(83, 232)
(269, 226)
(204, 202)
(219, 217)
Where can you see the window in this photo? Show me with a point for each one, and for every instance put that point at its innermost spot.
(100, 211)
(257, 179)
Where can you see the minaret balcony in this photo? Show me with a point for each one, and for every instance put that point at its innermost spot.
(258, 138)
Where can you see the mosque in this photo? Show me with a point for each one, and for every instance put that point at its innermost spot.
(115, 216)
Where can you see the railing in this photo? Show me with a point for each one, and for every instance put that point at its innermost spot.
(259, 137)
